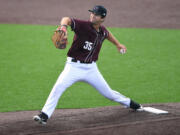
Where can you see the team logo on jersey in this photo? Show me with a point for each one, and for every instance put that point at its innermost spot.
(88, 45)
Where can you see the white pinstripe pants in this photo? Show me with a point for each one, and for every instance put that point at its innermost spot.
(76, 71)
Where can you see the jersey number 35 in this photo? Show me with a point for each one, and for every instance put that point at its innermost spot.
(88, 46)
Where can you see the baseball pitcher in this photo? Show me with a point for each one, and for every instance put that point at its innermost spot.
(81, 60)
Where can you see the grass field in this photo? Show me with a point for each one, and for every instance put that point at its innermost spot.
(30, 65)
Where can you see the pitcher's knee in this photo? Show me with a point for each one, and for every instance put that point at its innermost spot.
(110, 97)
(62, 85)
(59, 89)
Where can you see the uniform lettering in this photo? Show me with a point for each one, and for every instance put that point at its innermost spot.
(88, 46)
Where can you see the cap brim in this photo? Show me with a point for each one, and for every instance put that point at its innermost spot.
(90, 10)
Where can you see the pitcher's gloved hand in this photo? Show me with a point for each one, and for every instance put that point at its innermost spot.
(59, 37)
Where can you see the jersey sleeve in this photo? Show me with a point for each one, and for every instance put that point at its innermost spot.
(106, 32)
(76, 25)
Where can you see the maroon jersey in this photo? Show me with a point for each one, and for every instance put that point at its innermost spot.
(87, 41)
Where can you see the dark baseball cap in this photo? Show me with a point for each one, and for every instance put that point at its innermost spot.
(99, 10)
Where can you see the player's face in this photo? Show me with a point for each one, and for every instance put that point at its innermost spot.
(96, 19)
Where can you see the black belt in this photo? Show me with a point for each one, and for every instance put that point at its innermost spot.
(75, 60)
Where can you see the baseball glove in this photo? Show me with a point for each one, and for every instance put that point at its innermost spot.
(59, 37)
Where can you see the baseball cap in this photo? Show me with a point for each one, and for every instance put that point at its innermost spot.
(99, 10)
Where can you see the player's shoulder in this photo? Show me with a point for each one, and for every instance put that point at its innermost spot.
(78, 25)
(103, 28)
(74, 20)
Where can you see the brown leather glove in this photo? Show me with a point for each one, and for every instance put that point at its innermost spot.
(59, 37)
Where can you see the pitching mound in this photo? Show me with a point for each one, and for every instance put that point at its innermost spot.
(95, 121)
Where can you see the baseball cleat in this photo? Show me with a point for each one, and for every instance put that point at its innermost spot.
(41, 118)
(140, 109)
(135, 106)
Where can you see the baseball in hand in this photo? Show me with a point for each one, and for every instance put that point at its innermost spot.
(122, 51)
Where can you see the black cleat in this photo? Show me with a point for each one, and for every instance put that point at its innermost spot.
(41, 118)
(135, 106)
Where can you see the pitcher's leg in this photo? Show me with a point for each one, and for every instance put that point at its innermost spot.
(65, 80)
(53, 98)
(97, 81)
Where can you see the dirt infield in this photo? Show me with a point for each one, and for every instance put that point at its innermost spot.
(114, 120)
(95, 121)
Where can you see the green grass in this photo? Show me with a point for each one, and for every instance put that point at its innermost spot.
(30, 65)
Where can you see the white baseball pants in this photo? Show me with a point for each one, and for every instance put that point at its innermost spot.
(76, 71)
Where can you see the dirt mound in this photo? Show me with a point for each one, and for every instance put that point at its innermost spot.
(95, 121)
